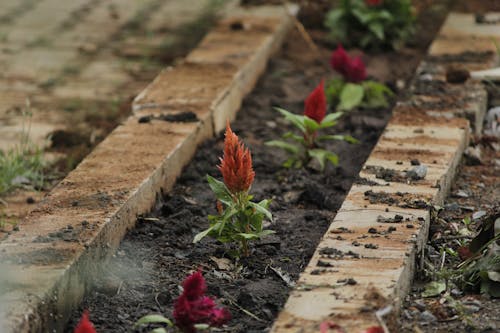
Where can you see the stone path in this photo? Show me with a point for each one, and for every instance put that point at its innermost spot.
(80, 63)
(64, 56)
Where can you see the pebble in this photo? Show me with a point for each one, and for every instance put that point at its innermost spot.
(478, 214)
(461, 194)
(428, 317)
(419, 304)
(418, 172)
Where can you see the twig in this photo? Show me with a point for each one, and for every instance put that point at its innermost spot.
(245, 311)
(442, 261)
(380, 314)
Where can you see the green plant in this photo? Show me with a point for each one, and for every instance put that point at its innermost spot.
(23, 164)
(371, 24)
(306, 147)
(193, 310)
(240, 219)
(353, 89)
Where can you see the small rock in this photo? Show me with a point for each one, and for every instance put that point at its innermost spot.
(456, 292)
(417, 173)
(461, 194)
(473, 155)
(420, 304)
(415, 162)
(271, 124)
(493, 122)
(477, 215)
(428, 317)
(20, 180)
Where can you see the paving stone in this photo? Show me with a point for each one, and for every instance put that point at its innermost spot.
(429, 127)
(461, 34)
(101, 198)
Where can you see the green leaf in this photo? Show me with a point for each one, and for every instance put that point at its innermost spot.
(296, 120)
(159, 330)
(376, 94)
(202, 327)
(295, 137)
(322, 156)
(346, 138)
(378, 29)
(330, 119)
(248, 236)
(220, 190)
(434, 288)
(199, 236)
(311, 124)
(153, 319)
(351, 96)
(261, 207)
(289, 147)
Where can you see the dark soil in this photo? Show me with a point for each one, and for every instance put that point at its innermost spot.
(145, 274)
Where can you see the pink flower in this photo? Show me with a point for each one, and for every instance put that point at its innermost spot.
(374, 2)
(85, 325)
(352, 69)
(236, 164)
(193, 307)
(315, 104)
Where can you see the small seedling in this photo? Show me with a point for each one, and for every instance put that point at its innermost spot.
(22, 165)
(307, 146)
(353, 89)
(239, 219)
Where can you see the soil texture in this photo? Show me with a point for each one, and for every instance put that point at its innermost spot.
(144, 275)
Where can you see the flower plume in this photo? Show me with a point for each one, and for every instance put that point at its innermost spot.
(236, 164)
(193, 307)
(352, 69)
(315, 104)
(85, 325)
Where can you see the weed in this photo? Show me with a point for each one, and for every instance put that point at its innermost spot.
(22, 165)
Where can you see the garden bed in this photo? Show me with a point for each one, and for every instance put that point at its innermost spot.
(145, 273)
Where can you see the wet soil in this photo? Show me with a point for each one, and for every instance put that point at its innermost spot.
(145, 274)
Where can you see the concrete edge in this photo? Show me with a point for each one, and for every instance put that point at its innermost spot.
(44, 274)
(346, 282)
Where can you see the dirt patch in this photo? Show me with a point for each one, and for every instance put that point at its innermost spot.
(145, 273)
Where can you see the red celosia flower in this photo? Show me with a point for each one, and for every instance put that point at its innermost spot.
(85, 325)
(315, 104)
(236, 164)
(194, 286)
(352, 69)
(374, 2)
(192, 307)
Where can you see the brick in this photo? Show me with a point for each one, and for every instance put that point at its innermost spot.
(46, 277)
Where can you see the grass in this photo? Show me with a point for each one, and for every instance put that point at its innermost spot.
(23, 165)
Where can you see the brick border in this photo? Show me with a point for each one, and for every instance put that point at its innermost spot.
(366, 259)
(47, 266)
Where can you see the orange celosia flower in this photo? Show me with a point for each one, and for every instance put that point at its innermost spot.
(236, 164)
